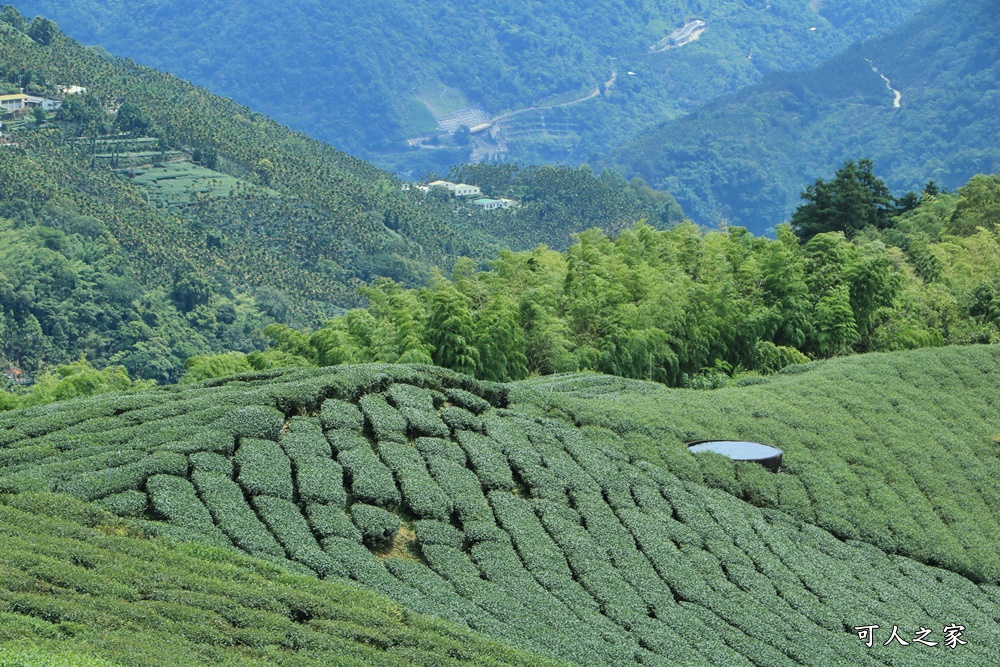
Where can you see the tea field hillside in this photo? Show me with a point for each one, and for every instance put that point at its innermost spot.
(899, 450)
(540, 514)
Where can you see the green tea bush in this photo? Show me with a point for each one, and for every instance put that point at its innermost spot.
(459, 419)
(385, 421)
(126, 504)
(361, 565)
(331, 521)
(370, 480)
(490, 465)
(263, 469)
(228, 506)
(408, 395)
(91, 486)
(439, 532)
(466, 400)
(255, 421)
(463, 488)
(343, 440)
(517, 517)
(341, 415)
(320, 480)
(424, 422)
(420, 494)
(174, 499)
(378, 527)
(442, 448)
(290, 527)
(480, 531)
(207, 440)
(211, 462)
(310, 444)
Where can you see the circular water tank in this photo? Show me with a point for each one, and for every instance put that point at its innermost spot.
(740, 450)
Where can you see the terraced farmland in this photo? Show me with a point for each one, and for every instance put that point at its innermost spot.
(477, 504)
(899, 450)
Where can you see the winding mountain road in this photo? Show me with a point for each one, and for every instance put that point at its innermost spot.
(888, 84)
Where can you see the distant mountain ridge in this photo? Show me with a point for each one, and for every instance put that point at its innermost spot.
(366, 78)
(746, 159)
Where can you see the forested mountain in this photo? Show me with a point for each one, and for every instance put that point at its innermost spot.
(408, 515)
(147, 220)
(747, 158)
(366, 78)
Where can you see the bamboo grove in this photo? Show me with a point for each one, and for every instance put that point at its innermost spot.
(684, 307)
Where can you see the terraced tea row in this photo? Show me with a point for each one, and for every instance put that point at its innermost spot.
(440, 493)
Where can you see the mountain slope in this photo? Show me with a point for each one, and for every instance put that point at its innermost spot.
(944, 63)
(201, 220)
(367, 78)
(479, 504)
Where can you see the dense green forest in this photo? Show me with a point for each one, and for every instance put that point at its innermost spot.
(683, 307)
(562, 518)
(183, 223)
(367, 78)
(945, 64)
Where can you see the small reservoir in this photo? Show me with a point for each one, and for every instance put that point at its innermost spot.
(740, 450)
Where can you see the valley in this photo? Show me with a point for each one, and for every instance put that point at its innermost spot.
(265, 403)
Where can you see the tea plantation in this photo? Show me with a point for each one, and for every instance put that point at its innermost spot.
(399, 514)
(899, 450)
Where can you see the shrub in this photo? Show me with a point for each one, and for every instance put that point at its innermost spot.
(91, 486)
(424, 422)
(287, 523)
(378, 527)
(320, 480)
(459, 419)
(410, 396)
(420, 494)
(225, 500)
(211, 462)
(308, 443)
(469, 401)
(255, 421)
(263, 469)
(463, 488)
(480, 531)
(174, 499)
(441, 448)
(490, 465)
(370, 481)
(343, 441)
(127, 504)
(331, 521)
(438, 532)
(341, 415)
(384, 420)
(211, 440)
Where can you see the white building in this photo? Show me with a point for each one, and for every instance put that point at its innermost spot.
(466, 190)
(488, 204)
(457, 189)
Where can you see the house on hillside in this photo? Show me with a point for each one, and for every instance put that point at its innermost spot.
(72, 90)
(488, 204)
(15, 376)
(43, 102)
(457, 189)
(466, 190)
(12, 103)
